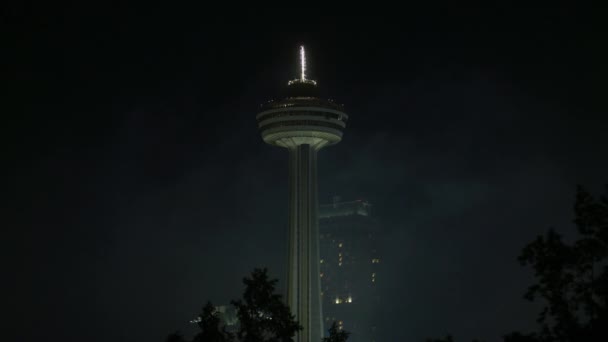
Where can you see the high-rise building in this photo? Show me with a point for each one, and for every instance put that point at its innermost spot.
(303, 123)
(349, 267)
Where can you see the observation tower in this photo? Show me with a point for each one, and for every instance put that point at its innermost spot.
(303, 123)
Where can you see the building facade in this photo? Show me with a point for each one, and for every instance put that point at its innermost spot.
(349, 267)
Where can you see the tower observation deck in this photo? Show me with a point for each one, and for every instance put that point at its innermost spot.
(303, 123)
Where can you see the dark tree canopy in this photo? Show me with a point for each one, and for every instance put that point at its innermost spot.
(448, 338)
(262, 315)
(211, 327)
(571, 278)
(175, 337)
(519, 337)
(336, 334)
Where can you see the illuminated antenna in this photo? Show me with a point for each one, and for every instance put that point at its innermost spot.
(303, 62)
(302, 78)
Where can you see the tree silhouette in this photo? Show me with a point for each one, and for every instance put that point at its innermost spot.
(211, 327)
(336, 334)
(448, 338)
(262, 315)
(571, 278)
(175, 337)
(519, 337)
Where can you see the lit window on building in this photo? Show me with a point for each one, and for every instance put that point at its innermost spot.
(340, 245)
(338, 300)
(321, 261)
(375, 261)
(350, 299)
(321, 274)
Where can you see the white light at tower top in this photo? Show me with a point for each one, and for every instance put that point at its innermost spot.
(302, 78)
(303, 62)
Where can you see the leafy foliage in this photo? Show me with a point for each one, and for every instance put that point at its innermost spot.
(263, 317)
(572, 278)
(211, 328)
(336, 334)
(262, 314)
(175, 337)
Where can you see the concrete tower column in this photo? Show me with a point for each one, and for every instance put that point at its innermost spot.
(304, 290)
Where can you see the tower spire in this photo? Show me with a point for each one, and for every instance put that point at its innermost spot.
(302, 79)
(303, 62)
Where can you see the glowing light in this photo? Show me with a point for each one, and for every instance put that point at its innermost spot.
(350, 299)
(303, 63)
(302, 78)
(300, 81)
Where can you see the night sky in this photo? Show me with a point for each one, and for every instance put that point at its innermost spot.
(139, 187)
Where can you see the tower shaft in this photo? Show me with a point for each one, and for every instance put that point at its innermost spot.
(303, 292)
(303, 123)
